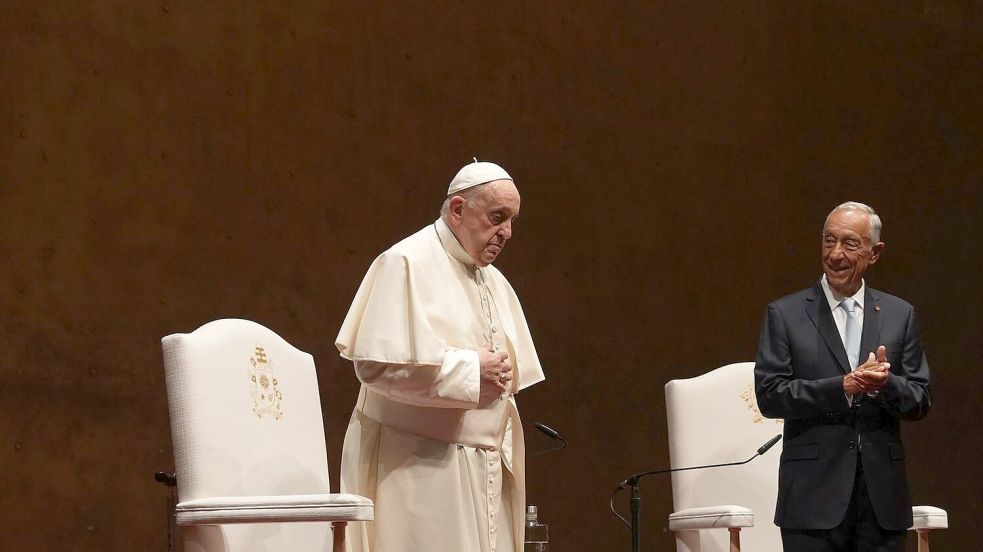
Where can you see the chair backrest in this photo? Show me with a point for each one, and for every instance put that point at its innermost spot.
(245, 420)
(714, 418)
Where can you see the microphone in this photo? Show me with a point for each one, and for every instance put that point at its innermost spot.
(552, 434)
(764, 448)
(633, 480)
(168, 479)
(549, 431)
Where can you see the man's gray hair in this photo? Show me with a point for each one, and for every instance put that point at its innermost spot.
(468, 194)
(875, 220)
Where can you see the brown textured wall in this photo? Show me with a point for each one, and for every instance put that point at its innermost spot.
(163, 164)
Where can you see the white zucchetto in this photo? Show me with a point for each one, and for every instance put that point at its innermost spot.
(474, 174)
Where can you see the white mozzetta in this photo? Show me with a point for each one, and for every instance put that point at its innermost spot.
(414, 305)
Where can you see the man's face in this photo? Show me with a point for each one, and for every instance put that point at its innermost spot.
(484, 227)
(847, 251)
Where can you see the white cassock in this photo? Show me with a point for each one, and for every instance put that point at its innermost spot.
(444, 465)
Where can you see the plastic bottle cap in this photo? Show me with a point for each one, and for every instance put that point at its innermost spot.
(532, 512)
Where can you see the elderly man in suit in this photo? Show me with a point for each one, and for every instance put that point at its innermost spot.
(842, 364)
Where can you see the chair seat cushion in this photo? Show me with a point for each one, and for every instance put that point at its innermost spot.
(929, 517)
(274, 508)
(710, 517)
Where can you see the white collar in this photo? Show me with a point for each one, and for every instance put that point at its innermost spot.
(451, 244)
(835, 299)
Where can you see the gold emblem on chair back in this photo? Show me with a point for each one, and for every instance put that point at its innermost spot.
(266, 396)
(748, 395)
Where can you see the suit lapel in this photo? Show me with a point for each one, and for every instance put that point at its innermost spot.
(871, 335)
(819, 312)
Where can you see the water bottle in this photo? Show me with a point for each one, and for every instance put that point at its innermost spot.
(537, 534)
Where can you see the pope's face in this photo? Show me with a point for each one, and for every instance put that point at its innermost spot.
(847, 250)
(485, 226)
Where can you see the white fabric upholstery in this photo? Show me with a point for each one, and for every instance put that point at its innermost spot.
(255, 509)
(711, 517)
(929, 517)
(249, 441)
(714, 418)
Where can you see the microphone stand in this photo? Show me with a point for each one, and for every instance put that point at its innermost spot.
(636, 499)
(551, 449)
(170, 480)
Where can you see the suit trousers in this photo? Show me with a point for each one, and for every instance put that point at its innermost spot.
(858, 532)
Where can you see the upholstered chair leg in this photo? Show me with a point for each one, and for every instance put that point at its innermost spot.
(922, 540)
(338, 528)
(735, 539)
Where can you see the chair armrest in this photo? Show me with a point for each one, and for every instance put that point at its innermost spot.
(274, 509)
(928, 517)
(711, 517)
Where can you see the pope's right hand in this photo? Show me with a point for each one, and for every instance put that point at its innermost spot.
(496, 371)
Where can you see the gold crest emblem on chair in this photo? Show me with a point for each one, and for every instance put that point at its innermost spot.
(266, 396)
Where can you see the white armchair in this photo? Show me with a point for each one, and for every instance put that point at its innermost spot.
(714, 418)
(249, 449)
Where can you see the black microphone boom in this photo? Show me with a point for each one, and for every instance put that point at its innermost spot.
(636, 499)
(633, 480)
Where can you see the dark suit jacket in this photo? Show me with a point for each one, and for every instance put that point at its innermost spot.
(799, 377)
